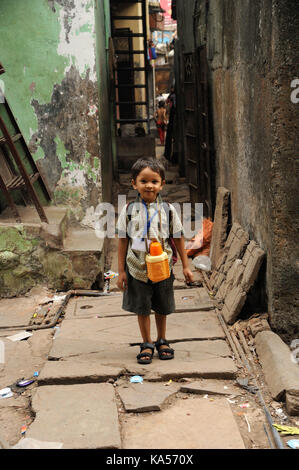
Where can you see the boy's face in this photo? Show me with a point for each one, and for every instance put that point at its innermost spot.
(148, 183)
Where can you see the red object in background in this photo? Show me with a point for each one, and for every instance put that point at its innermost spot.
(200, 244)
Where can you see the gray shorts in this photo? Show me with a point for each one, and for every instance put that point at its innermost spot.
(141, 297)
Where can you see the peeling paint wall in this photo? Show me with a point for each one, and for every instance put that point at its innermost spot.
(52, 82)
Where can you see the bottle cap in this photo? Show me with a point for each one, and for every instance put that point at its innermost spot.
(155, 249)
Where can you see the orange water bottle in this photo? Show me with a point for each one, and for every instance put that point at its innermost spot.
(157, 263)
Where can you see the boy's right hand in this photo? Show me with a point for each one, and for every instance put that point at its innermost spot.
(122, 283)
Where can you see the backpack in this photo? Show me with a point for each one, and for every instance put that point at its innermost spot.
(170, 239)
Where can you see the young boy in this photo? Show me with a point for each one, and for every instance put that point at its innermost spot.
(140, 294)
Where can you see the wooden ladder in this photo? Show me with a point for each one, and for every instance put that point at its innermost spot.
(124, 79)
(23, 180)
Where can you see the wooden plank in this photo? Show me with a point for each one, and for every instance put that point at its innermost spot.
(23, 172)
(34, 165)
(14, 181)
(127, 35)
(17, 182)
(10, 200)
(13, 137)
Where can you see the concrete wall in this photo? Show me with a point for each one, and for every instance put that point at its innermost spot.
(53, 81)
(252, 57)
(253, 62)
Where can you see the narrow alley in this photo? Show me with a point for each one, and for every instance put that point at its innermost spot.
(206, 89)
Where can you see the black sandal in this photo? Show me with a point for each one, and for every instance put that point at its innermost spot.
(162, 351)
(145, 357)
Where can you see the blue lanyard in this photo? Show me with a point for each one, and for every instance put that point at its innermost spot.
(148, 221)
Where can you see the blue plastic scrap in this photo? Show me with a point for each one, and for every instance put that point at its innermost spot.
(293, 443)
(136, 379)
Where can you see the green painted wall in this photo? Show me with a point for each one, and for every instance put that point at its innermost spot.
(29, 38)
(56, 85)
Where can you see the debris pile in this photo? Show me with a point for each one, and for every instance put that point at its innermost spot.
(47, 310)
(235, 272)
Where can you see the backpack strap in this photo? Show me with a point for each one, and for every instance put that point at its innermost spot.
(170, 220)
(170, 216)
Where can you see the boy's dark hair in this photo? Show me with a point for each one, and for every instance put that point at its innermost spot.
(152, 163)
(161, 104)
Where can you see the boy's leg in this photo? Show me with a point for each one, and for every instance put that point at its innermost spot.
(161, 329)
(144, 322)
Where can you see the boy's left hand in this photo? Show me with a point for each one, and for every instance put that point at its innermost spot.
(188, 275)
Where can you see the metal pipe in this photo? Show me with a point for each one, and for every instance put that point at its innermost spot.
(275, 434)
(268, 436)
(274, 431)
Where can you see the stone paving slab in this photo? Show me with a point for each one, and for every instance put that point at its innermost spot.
(82, 336)
(233, 304)
(109, 306)
(23, 358)
(210, 387)
(145, 396)
(71, 372)
(194, 325)
(189, 300)
(220, 225)
(192, 359)
(89, 307)
(208, 368)
(17, 311)
(194, 423)
(81, 416)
